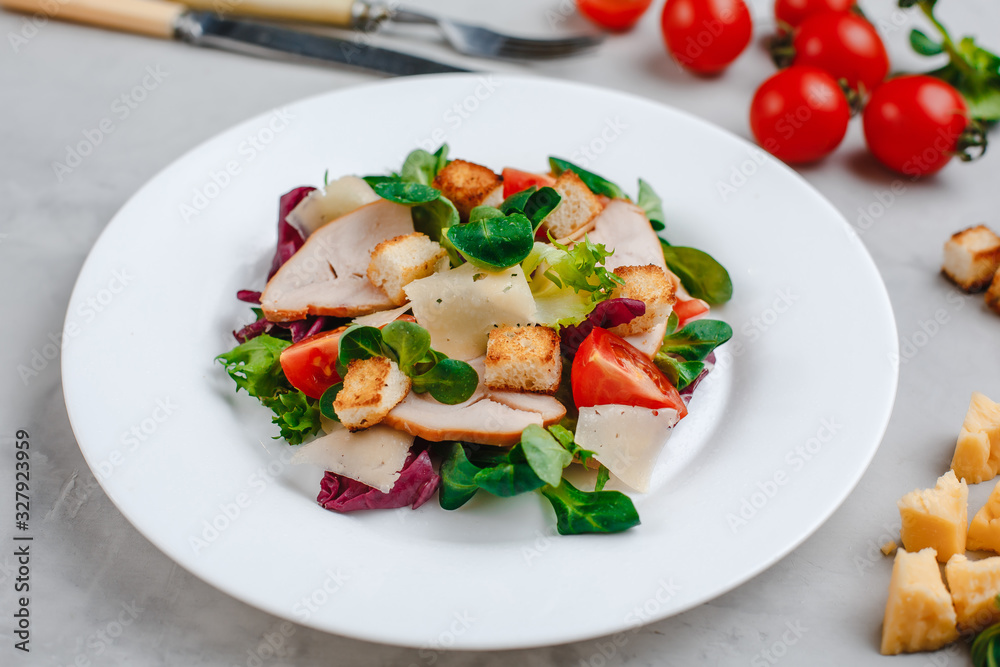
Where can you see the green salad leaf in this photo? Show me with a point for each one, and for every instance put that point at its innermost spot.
(458, 478)
(682, 354)
(510, 476)
(494, 243)
(360, 342)
(651, 203)
(449, 381)
(702, 276)
(535, 204)
(327, 399)
(410, 342)
(407, 194)
(434, 219)
(597, 184)
(985, 648)
(422, 167)
(546, 456)
(590, 512)
(256, 368)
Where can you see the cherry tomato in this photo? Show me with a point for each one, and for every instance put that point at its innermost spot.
(794, 12)
(609, 371)
(913, 124)
(705, 36)
(613, 14)
(515, 180)
(845, 45)
(688, 309)
(800, 114)
(311, 364)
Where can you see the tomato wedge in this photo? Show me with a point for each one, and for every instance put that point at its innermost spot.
(688, 309)
(515, 180)
(311, 364)
(609, 371)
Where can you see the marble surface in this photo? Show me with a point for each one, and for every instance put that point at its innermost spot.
(103, 595)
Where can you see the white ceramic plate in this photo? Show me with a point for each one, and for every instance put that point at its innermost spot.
(777, 437)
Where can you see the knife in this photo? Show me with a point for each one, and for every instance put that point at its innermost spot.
(170, 20)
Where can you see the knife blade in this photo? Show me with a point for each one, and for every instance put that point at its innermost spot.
(212, 30)
(170, 20)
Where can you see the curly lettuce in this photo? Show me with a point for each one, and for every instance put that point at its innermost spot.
(567, 283)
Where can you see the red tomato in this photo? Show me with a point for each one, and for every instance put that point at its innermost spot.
(800, 114)
(913, 124)
(515, 181)
(705, 36)
(613, 14)
(607, 370)
(845, 45)
(311, 364)
(688, 309)
(794, 12)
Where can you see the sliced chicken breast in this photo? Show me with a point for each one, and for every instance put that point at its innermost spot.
(489, 417)
(327, 275)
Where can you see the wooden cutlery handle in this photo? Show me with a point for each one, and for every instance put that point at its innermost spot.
(332, 12)
(145, 17)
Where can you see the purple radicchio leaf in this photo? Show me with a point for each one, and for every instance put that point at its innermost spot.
(289, 238)
(606, 314)
(416, 485)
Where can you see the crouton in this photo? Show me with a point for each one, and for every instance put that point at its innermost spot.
(372, 387)
(578, 206)
(993, 293)
(972, 257)
(399, 261)
(523, 359)
(468, 185)
(650, 285)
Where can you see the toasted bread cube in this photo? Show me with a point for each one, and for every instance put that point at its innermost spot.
(523, 359)
(984, 531)
(468, 185)
(372, 387)
(650, 285)
(919, 615)
(977, 453)
(576, 209)
(399, 261)
(936, 518)
(972, 257)
(993, 293)
(974, 587)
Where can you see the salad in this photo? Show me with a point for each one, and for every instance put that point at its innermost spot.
(446, 331)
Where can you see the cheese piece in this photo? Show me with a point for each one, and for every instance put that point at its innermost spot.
(461, 306)
(918, 614)
(374, 457)
(936, 518)
(984, 533)
(977, 454)
(626, 439)
(888, 548)
(382, 317)
(974, 587)
(338, 198)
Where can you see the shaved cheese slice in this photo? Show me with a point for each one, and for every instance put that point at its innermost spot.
(336, 199)
(374, 457)
(626, 439)
(649, 342)
(382, 317)
(459, 307)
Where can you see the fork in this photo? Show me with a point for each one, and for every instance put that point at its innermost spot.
(469, 39)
